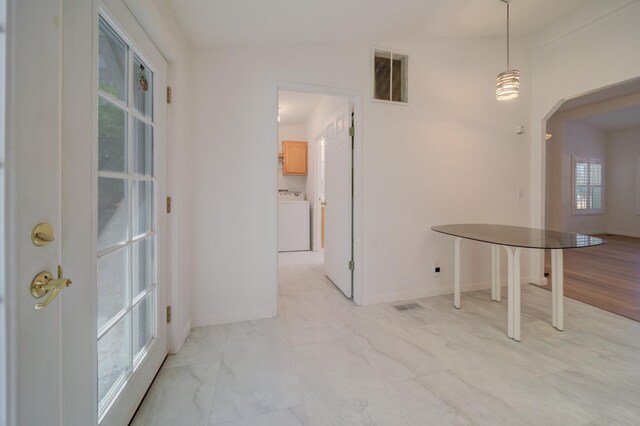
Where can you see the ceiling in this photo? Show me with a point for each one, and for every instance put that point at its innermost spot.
(212, 23)
(613, 116)
(612, 121)
(296, 107)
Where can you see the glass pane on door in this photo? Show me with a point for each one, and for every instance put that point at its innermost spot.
(127, 264)
(143, 315)
(113, 359)
(143, 88)
(142, 148)
(112, 63)
(143, 265)
(142, 207)
(113, 280)
(113, 212)
(112, 137)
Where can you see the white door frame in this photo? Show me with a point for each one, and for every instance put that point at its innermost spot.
(355, 97)
(316, 244)
(178, 270)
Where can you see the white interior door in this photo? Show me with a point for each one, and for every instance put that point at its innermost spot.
(338, 197)
(86, 154)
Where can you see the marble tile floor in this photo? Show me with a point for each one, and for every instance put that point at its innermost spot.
(324, 361)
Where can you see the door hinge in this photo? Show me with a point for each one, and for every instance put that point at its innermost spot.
(351, 265)
(168, 204)
(168, 94)
(352, 131)
(168, 314)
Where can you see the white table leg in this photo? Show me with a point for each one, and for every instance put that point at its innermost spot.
(509, 291)
(513, 324)
(557, 277)
(516, 294)
(456, 273)
(495, 273)
(554, 302)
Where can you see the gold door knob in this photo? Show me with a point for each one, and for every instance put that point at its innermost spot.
(44, 284)
(42, 234)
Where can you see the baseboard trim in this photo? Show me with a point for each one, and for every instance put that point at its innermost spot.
(622, 234)
(410, 295)
(185, 331)
(183, 335)
(431, 292)
(232, 317)
(176, 336)
(539, 281)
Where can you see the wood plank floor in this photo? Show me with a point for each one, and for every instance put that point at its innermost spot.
(606, 276)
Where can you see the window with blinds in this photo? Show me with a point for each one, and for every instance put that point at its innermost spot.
(588, 197)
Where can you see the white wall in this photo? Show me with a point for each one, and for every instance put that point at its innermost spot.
(581, 140)
(451, 155)
(554, 217)
(572, 138)
(410, 153)
(570, 58)
(292, 132)
(623, 196)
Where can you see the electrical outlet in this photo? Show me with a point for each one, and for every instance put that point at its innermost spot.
(436, 269)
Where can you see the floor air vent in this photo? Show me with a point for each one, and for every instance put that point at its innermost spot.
(407, 307)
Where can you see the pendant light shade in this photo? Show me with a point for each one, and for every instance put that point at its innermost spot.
(507, 85)
(508, 82)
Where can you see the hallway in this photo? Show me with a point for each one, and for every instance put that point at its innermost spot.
(324, 361)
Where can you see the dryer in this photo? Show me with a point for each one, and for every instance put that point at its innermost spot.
(294, 232)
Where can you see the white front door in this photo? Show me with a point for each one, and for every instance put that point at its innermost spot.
(338, 197)
(33, 131)
(86, 154)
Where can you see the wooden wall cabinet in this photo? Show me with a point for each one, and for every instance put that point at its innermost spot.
(294, 158)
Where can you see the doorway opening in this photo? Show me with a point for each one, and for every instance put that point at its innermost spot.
(592, 186)
(316, 190)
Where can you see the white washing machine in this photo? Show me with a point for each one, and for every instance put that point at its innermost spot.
(293, 221)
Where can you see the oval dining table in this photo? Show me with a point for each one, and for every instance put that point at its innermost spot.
(514, 239)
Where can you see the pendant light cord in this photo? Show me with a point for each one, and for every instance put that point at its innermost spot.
(508, 67)
(508, 82)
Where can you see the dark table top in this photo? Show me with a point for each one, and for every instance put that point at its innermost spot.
(518, 236)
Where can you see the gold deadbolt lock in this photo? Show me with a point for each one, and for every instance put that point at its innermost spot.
(44, 284)
(42, 234)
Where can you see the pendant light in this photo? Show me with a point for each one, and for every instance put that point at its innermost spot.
(508, 82)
